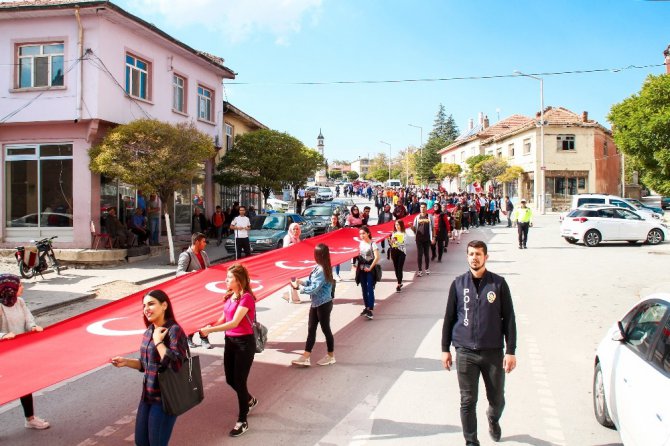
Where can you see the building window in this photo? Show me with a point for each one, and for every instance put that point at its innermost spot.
(565, 142)
(510, 150)
(463, 156)
(229, 136)
(526, 146)
(453, 159)
(499, 152)
(605, 148)
(205, 96)
(178, 93)
(38, 186)
(40, 65)
(137, 77)
(582, 183)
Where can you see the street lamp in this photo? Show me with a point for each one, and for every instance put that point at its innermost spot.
(542, 166)
(421, 146)
(389, 157)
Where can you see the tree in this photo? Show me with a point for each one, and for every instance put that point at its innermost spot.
(641, 125)
(267, 159)
(472, 162)
(447, 170)
(154, 156)
(444, 132)
(512, 173)
(489, 170)
(335, 174)
(352, 175)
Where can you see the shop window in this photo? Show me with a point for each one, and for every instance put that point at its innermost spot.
(38, 186)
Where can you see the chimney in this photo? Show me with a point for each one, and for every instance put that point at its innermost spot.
(480, 118)
(471, 124)
(585, 116)
(485, 125)
(538, 115)
(666, 53)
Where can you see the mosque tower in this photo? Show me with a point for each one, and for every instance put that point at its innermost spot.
(320, 176)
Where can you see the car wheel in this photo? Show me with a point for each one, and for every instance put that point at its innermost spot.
(571, 240)
(599, 403)
(654, 237)
(592, 238)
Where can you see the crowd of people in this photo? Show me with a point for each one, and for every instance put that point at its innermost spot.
(165, 344)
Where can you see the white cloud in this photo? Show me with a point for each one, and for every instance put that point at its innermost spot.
(238, 20)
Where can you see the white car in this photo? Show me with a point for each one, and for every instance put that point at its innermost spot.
(275, 204)
(594, 224)
(605, 199)
(631, 379)
(323, 194)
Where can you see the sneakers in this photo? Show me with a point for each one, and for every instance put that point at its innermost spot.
(192, 344)
(302, 361)
(364, 312)
(338, 278)
(205, 343)
(494, 431)
(37, 423)
(327, 360)
(427, 271)
(240, 428)
(419, 274)
(397, 289)
(253, 402)
(369, 315)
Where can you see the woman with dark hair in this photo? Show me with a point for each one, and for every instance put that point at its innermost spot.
(16, 318)
(163, 345)
(239, 310)
(368, 258)
(334, 226)
(354, 220)
(319, 285)
(441, 235)
(398, 251)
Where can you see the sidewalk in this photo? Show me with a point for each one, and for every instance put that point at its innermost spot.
(74, 284)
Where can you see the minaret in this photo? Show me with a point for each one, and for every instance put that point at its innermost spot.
(319, 144)
(320, 176)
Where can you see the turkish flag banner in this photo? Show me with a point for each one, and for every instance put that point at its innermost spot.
(33, 361)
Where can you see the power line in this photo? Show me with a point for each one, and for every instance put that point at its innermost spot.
(455, 78)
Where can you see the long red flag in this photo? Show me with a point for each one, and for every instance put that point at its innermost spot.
(34, 361)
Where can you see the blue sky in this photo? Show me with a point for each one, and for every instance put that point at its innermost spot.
(272, 44)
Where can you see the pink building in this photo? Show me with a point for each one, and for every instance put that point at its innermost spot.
(71, 70)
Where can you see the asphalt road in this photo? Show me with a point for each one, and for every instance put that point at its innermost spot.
(388, 385)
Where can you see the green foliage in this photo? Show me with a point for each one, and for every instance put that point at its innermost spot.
(267, 159)
(352, 175)
(153, 155)
(446, 170)
(335, 174)
(641, 126)
(444, 132)
(489, 170)
(512, 173)
(472, 162)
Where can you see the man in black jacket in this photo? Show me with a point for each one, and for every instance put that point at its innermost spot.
(479, 322)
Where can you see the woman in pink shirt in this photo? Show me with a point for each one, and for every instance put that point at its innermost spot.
(239, 309)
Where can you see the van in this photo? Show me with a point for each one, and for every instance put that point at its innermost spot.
(613, 200)
(393, 183)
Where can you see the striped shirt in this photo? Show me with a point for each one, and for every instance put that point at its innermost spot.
(151, 362)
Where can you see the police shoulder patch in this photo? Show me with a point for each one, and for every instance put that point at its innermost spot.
(491, 297)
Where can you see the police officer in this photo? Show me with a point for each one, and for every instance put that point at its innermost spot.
(479, 319)
(523, 216)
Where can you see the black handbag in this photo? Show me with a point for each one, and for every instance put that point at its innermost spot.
(260, 334)
(182, 390)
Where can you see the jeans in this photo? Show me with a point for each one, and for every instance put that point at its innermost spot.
(320, 315)
(336, 269)
(219, 234)
(438, 248)
(238, 356)
(153, 427)
(509, 219)
(398, 257)
(423, 248)
(522, 229)
(474, 218)
(155, 228)
(368, 288)
(469, 365)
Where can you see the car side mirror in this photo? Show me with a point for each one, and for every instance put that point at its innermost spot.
(619, 336)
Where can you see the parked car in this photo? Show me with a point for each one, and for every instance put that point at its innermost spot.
(319, 215)
(270, 233)
(593, 224)
(639, 205)
(665, 202)
(631, 379)
(347, 202)
(275, 204)
(582, 199)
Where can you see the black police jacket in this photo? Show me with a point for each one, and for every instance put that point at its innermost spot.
(479, 319)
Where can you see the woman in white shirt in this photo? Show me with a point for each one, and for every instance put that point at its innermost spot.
(368, 258)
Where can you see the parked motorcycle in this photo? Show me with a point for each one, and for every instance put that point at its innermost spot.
(35, 262)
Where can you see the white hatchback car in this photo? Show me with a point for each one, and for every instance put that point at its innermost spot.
(594, 224)
(631, 380)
